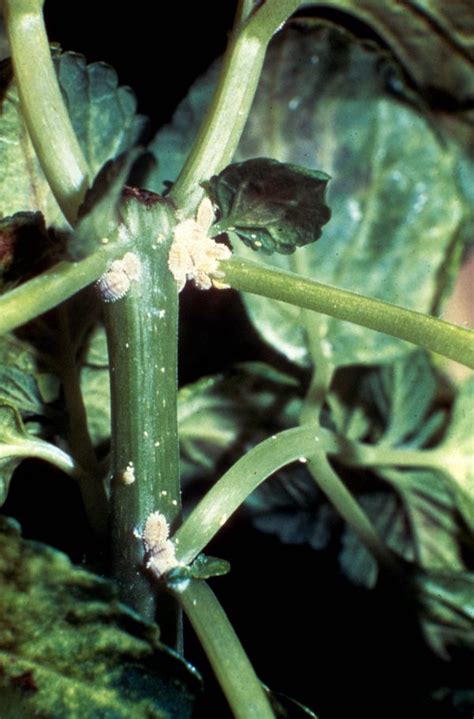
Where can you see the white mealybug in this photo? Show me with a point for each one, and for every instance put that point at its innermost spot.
(115, 283)
(128, 475)
(195, 256)
(159, 549)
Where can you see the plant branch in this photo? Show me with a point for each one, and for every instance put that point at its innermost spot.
(250, 471)
(43, 107)
(434, 334)
(225, 119)
(230, 663)
(53, 286)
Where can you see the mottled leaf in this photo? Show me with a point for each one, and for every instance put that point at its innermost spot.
(23, 383)
(269, 205)
(323, 104)
(404, 392)
(103, 116)
(431, 515)
(69, 649)
(20, 389)
(34, 386)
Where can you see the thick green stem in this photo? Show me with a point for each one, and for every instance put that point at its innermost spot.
(233, 670)
(435, 335)
(43, 107)
(53, 286)
(142, 339)
(224, 122)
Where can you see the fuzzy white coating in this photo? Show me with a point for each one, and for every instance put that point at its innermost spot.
(195, 256)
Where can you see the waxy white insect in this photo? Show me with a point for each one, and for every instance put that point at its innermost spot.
(128, 475)
(195, 256)
(160, 550)
(115, 283)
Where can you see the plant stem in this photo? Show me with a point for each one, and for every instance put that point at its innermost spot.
(225, 119)
(43, 107)
(233, 670)
(53, 286)
(142, 339)
(247, 474)
(323, 367)
(435, 335)
(93, 490)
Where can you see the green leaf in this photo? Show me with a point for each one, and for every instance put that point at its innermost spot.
(12, 435)
(22, 383)
(456, 452)
(99, 216)
(217, 414)
(387, 517)
(37, 387)
(404, 391)
(69, 649)
(21, 390)
(394, 197)
(103, 116)
(446, 602)
(205, 567)
(269, 205)
(430, 509)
